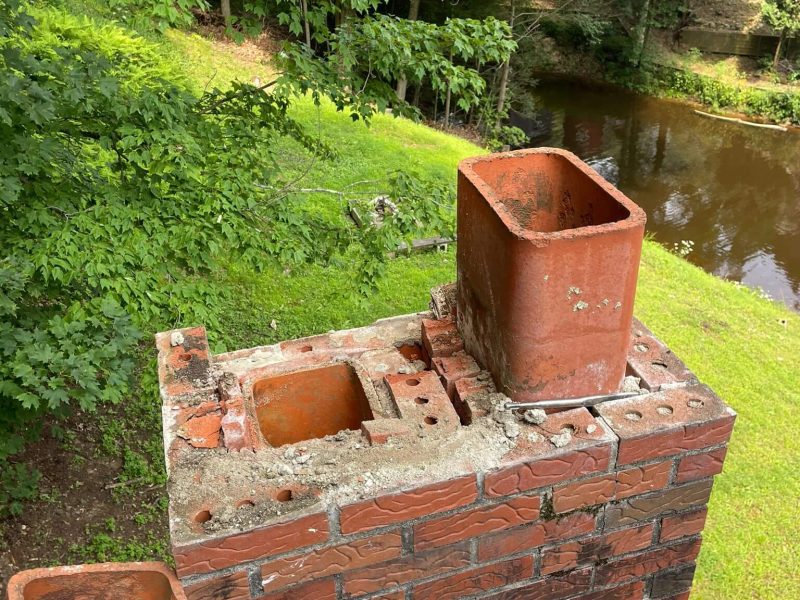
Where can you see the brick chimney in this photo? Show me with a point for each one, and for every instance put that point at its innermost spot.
(380, 462)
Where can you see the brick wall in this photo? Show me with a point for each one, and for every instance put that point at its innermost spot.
(615, 510)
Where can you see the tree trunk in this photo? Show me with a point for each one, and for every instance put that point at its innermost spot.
(447, 107)
(402, 84)
(447, 99)
(642, 31)
(501, 91)
(225, 8)
(778, 50)
(306, 26)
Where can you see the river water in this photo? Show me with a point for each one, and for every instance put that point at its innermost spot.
(731, 189)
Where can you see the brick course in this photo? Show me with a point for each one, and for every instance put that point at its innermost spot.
(614, 513)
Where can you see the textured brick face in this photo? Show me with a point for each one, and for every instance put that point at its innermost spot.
(260, 543)
(395, 508)
(528, 476)
(473, 523)
(330, 561)
(409, 568)
(615, 514)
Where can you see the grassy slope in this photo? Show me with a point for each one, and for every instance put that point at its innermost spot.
(742, 346)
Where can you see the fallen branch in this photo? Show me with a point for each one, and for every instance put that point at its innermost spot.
(111, 486)
(742, 121)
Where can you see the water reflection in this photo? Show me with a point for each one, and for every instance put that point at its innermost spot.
(731, 189)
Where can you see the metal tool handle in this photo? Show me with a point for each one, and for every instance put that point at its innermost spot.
(570, 402)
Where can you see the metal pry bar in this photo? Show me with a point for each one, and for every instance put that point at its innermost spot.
(570, 402)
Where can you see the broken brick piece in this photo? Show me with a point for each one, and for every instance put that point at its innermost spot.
(455, 367)
(380, 431)
(421, 398)
(441, 338)
(202, 432)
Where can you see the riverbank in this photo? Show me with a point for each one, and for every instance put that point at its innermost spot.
(723, 84)
(743, 346)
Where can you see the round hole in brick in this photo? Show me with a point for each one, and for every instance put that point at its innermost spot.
(284, 496)
(665, 410)
(413, 381)
(185, 357)
(421, 400)
(633, 415)
(568, 428)
(202, 517)
(658, 365)
(431, 420)
(246, 503)
(694, 403)
(641, 347)
(306, 348)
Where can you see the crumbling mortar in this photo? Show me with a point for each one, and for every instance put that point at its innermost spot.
(648, 585)
(334, 525)
(612, 462)
(407, 540)
(473, 551)
(338, 583)
(537, 562)
(673, 472)
(601, 518)
(254, 578)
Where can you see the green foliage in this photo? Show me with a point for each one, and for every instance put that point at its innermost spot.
(782, 15)
(163, 13)
(122, 192)
(776, 105)
(507, 136)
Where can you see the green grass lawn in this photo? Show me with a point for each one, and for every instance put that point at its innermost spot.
(743, 347)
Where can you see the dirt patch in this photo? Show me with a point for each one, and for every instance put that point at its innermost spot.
(79, 498)
(728, 15)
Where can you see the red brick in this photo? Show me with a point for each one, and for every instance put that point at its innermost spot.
(683, 596)
(695, 418)
(535, 535)
(642, 508)
(408, 568)
(640, 480)
(380, 431)
(672, 582)
(330, 561)
(455, 367)
(479, 521)
(420, 397)
(631, 591)
(441, 338)
(679, 526)
(645, 563)
(322, 589)
(536, 474)
(597, 490)
(551, 588)
(600, 547)
(467, 397)
(410, 504)
(655, 364)
(697, 466)
(398, 595)
(226, 552)
(234, 586)
(474, 581)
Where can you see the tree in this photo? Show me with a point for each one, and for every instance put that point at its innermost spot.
(783, 16)
(122, 192)
(402, 83)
